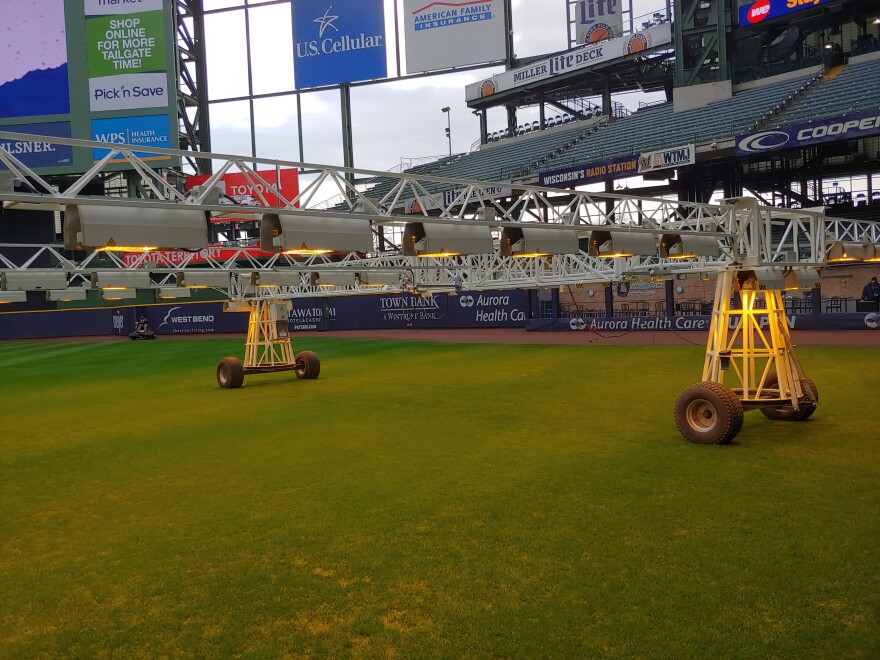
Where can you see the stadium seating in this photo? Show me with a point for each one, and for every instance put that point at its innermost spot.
(853, 89)
(657, 127)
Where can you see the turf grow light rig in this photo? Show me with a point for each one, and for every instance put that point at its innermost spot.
(465, 235)
(268, 348)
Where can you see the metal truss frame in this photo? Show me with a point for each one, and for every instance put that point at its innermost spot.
(747, 233)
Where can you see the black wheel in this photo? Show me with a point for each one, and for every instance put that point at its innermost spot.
(709, 413)
(230, 373)
(805, 408)
(308, 366)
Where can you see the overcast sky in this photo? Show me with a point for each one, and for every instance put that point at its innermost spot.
(392, 121)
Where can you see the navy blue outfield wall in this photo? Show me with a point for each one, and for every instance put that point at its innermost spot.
(470, 309)
(862, 321)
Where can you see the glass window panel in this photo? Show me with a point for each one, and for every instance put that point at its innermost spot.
(276, 130)
(226, 55)
(231, 128)
(272, 49)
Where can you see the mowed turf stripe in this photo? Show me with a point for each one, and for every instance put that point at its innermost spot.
(43, 352)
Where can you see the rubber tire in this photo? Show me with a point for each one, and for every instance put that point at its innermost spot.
(308, 366)
(805, 409)
(230, 373)
(709, 413)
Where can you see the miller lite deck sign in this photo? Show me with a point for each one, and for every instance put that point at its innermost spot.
(338, 41)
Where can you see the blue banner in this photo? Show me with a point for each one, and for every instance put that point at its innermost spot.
(148, 131)
(849, 127)
(470, 309)
(869, 321)
(39, 154)
(764, 10)
(600, 170)
(338, 41)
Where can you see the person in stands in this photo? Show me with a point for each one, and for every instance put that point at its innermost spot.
(871, 291)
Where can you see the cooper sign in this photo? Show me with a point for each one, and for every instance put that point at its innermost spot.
(849, 127)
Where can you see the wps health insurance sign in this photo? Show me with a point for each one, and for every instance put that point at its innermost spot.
(476, 27)
(153, 131)
(338, 41)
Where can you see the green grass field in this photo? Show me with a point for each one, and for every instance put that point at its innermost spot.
(428, 500)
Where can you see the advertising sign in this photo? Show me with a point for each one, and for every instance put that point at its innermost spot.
(217, 253)
(338, 41)
(849, 127)
(33, 64)
(763, 10)
(121, 61)
(126, 54)
(476, 27)
(469, 309)
(618, 168)
(666, 159)
(448, 197)
(185, 320)
(237, 186)
(40, 154)
(149, 131)
(573, 60)
(601, 170)
(598, 20)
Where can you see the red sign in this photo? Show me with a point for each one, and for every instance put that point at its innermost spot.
(237, 186)
(176, 257)
(758, 11)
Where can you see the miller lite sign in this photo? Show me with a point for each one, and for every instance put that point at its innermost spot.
(598, 20)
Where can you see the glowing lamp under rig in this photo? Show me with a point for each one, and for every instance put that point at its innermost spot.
(621, 244)
(533, 242)
(306, 235)
(120, 228)
(423, 239)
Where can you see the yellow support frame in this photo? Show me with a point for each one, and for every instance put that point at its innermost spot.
(268, 341)
(748, 343)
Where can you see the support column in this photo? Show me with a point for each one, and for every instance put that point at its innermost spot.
(816, 299)
(347, 136)
(609, 301)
